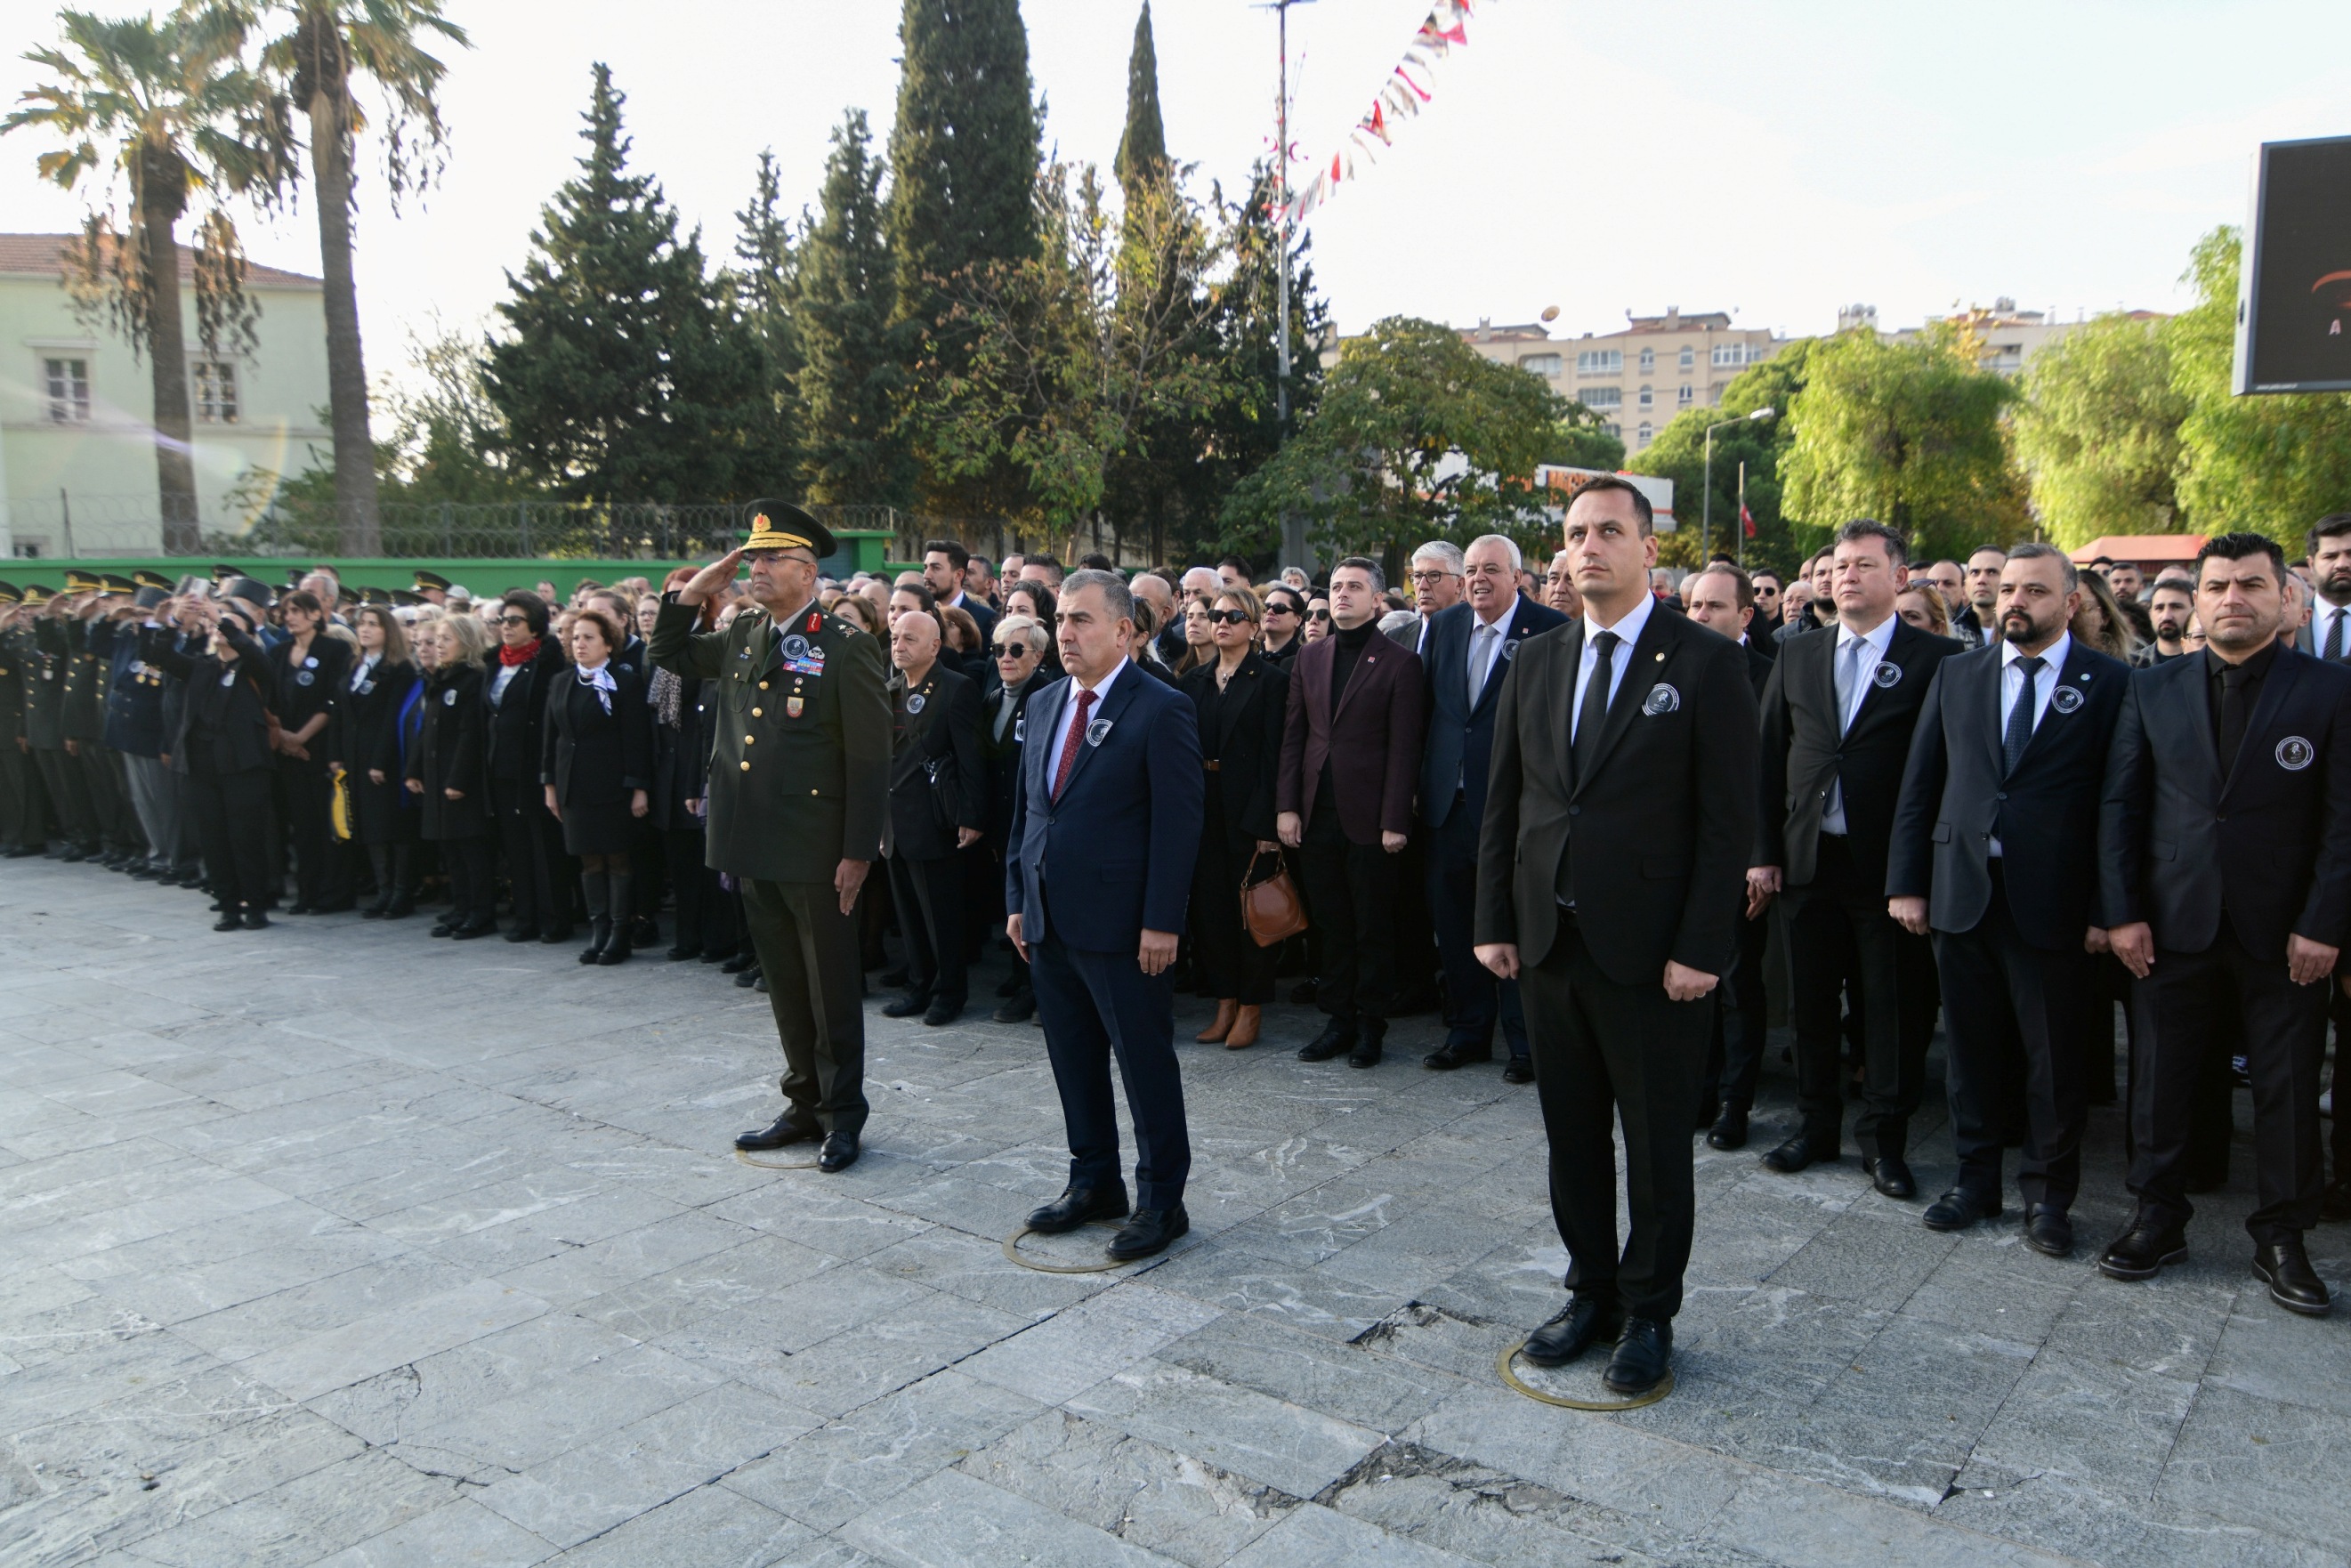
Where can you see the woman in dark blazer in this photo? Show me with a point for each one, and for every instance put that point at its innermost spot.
(527, 666)
(599, 769)
(223, 749)
(445, 773)
(1242, 701)
(380, 699)
(311, 670)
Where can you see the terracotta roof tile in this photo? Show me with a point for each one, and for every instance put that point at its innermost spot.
(43, 255)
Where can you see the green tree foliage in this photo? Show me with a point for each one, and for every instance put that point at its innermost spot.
(1416, 436)
(1910, 433)
(1583, 441)
(1142, 150)
(763, 287)
(2097, 431)
(2275, 463)
(854, 355)
(623, 375)
(1679, 454)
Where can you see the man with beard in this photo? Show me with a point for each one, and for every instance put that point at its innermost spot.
(2170, 610)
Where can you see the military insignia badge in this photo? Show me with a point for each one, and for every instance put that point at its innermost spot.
(792, 707)
(1662, 698)
(2295, 754)
(2066, 699)
(796, 646)
(1889, 676)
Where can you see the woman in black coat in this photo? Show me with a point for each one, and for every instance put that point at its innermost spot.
(599, 772)
(312, 671)
(223, 748)
(381, 698)
(1242, 700)
(445, 773)
(525, 667)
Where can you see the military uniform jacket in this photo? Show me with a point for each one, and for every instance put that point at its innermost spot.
(82, 714)
(45, 686)
(134, 692)
(19, 658)
(800, 768)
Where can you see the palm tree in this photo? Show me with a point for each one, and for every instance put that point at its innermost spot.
(168, 106)
(329, 45)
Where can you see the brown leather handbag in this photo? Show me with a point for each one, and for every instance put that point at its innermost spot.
(1270, 908)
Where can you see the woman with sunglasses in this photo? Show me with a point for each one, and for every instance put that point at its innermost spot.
(1318, 620)
(1285, 623)
(1242, 700)
(1018, 647)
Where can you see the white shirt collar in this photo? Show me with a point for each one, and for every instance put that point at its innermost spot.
(1877, 636)
(1101, 690)
(1629, 628)
(2052, 657)
(1499, 622)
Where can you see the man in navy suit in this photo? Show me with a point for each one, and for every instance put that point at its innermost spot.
(2005, 770)
(1468, 650)
(1106, 816)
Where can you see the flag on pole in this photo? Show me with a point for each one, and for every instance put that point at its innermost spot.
(1746, 519)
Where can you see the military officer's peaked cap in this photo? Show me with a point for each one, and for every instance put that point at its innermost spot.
(80, 581)
(8, 594)
(35, 594)
(152, 580)
(405, 600)
(779, 524)
(431, 579)
(111, 584)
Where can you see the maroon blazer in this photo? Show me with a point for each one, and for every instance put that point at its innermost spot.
(1373, 742)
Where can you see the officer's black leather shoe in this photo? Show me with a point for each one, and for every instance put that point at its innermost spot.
(523, 933)
(1369, 1035)
(1079, 1206)
(2293, 1284)
(1729, 1130)
(740, 962)
(2144, 1251)
(1450, 1055)
(1150, 1230)
(942, 1012)
(230, 920)
(1643, 1353)
(1587, 1321)
(1522, 1069)
(837, 1152)
(749, 977)
(1959, 1208)
(783, 1135)
(1798, 1152)
(1023, 1004)
(2048, 1230)
(1337, 1039)
(1891, 1176)
(256, 920)
(906, 1007)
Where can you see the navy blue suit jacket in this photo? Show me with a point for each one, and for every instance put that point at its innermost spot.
(1460, 740)
(1116, 849)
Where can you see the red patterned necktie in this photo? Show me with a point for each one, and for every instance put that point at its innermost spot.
(1070, 746)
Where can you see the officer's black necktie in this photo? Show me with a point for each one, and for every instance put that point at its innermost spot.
(2020, 717)
(1592, 717)
(2232, 715)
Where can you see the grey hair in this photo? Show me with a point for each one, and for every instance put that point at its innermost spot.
(1027, 629)
(1445, 550)
(1518, 557)
(1365, 565)
(1396, 619)
(2035, 549)
(1117, 598)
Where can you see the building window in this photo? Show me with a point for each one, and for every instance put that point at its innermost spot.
(1732, 354)
(1641, 436)
(69, 387)
(215, 391)
(1600, 362)
(1616, 430)
(1684, 396)
(1601, 397)
(1645, 399)
(1690, 356)
(1648, 359)
(1540, 364)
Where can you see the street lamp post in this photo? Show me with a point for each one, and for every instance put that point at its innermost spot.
(1706, 511)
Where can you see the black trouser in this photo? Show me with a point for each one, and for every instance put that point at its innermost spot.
(929, 895)
(1741, 1021)
(2285, 1037)
(471, 866)
(1601, 1049)
(2339, 1007)
(1354, 889)
(1092, 1005)
(310, 823)
(808, 955)
(695, 884)
(1419, 960)
(1897, 987)
(24, 817)
(234, 821)
(1227, 962)
(108, 786)
(540, 903)
(2012, 1012)
(1474, 998)
(67, 799)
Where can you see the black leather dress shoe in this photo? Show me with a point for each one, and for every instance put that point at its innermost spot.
(1643, 1351)
(1588, 1320)
(1522, 1069)
(1150, 1230)
(1959, 1208)
(2284, 1267)
(256, 920)
(837, 1152)
(1891, 1176)
(523, 933)
(747, 979)
(1447, 1057)
(1729, 1130)
(783, 1135)
(2335, 1203)
(2144, 1251)
(906, 1007)
(1019, 1008)
(740, 962)
(1079, 1206)
(942, 1012)
(1369, 1035)
(1336, 1038)
(1798, 1152)
(2048, 1230)
(230, 920)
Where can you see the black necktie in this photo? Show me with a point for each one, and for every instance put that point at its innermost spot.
(2232, 715)
(1592, 715)
(2020, 717)
(2334, 634)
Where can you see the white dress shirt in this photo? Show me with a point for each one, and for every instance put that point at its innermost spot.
(1485, 650)
(1069, 716)
(1619, 660)
(2044, 686)
(1863, 677)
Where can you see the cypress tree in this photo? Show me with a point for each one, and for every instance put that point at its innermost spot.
(625, 376)
(852, 356)
(1143, 150)
(765, 288)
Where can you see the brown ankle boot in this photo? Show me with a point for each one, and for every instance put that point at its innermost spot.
(1222, 1023)
(1244, 1029)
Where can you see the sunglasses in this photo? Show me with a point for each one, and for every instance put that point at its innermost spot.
(1278, 608)
(514, 619)
(1227, 617)
(1318, 615)
(1014, 650)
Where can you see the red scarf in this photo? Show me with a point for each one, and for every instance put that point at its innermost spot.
(510, 654)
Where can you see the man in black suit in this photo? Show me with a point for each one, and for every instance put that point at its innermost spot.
(1837, 720)
(938, 806)
(1722, 598)
(2005, 770)
(2225, 859)
(944, 564)
(2330, 638)
(1470, 648)
(1608, 875)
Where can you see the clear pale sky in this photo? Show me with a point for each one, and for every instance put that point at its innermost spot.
(1776, 160)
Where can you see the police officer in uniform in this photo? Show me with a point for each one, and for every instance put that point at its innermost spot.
(798, 794)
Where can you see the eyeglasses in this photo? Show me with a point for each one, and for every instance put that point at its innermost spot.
(1229, 617)
(1430, 578)
(1318, 615)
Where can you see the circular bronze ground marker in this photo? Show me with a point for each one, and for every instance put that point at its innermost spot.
(776, 1164)
(1510, 1377)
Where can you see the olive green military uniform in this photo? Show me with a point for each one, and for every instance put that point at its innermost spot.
(22, 821)
(799, 780)
(82, 718)
(44, 709)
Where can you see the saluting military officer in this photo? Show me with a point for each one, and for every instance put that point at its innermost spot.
(23, 821)
(44, 709)
(799, 781)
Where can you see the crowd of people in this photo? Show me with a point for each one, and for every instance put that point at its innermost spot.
(1584, 810)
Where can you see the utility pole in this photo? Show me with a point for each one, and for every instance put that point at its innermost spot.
(1294, 529)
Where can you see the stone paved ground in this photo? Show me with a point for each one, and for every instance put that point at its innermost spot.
(338, 1244)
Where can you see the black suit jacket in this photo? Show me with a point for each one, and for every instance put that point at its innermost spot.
(1659, 828)
(935, 730)
(1956, 799)
(1803, 754)
(2270, 843)
(1000, 754)
(1246, 744)
(1759, 666)
(594, 758)
(516, 732)
(1460, 738)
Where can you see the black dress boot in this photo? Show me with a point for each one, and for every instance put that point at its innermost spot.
(596, 885)
(616, 948)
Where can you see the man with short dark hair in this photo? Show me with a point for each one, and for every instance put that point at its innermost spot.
(1814, 609)
(2330, 638)
(1232, 571)
(2170, 608)
(1041, 568)
(2225, 852)
(1979, 616)
(946, 567)
(1765, 584)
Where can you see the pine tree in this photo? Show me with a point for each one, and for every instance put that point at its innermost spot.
(852, 356)
(1143, 150)
(624, 375)
(764, 286)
